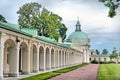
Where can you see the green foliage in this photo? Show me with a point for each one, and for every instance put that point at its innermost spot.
(62, 31)
(43, 76)
(101, 62)
(2, 19)
(109, 72)
(97, 52)
(105, 51)
(27, 14)
(69, 68)
(114, 54)
(45, 21)
(112, 5)
(96, 62)
(50, 23)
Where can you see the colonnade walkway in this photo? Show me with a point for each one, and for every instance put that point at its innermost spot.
(88, 72)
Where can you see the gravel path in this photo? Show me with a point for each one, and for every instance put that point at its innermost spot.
(88, 72)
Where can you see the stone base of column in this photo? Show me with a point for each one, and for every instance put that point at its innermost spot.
(47, 68)
(35, 71)
(13, 75)
(53, 68)
(41, 69)
(25, 72)
(2, 78)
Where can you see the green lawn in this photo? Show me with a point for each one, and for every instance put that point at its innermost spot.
(109, 72)
(64, 70)
(48, 75)
(43, 76)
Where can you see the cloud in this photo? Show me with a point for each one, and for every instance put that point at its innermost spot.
(92, 15)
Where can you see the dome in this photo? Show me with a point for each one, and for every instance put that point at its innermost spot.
(78, 35)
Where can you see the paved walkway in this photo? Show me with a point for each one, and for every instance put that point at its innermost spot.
(88, 72)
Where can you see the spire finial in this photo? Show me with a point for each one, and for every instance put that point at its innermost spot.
(78, 18)
(78, 26)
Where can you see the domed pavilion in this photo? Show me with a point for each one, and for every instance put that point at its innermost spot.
(80, 41)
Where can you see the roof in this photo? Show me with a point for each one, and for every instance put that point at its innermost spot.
(102, 55)
(78, 35)
(31, 32)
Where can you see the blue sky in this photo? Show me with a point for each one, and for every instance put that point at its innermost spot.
(103, 31)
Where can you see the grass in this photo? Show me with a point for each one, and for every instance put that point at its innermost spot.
(43, 76)
(49, 75)
(109, 72)
(69, 68)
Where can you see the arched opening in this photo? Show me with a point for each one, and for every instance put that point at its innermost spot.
(90, 59)
(47, 58)
(41, 58)
(56, 59)
(60, 56)
(10, 59)
(52, 58)
(71, 58)
(63, 58)
(23, 59)
(34, 59)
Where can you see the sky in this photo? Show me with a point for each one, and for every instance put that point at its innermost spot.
(104, 32)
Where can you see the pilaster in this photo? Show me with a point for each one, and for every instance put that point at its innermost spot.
(1, 54)
(44, 60)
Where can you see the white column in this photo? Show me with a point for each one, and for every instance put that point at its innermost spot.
(74, 58)
(26, 62)
(37, 67)
(87, 55)
(68, 59)
(36, 60)
(58, 56)
(44, 59)
(84, 55)
(50, 60)
(54, 56)
(14, 61)
(64, 58)
(1, 55)
(61, 58)
(41, 63)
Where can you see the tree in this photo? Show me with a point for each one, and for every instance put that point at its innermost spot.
(62, 31)
(97, 52)
(2, 19)
(105, 51)
(51, 23)
(112, 5)
(27, 13)
(45, 21)
(114, 55)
